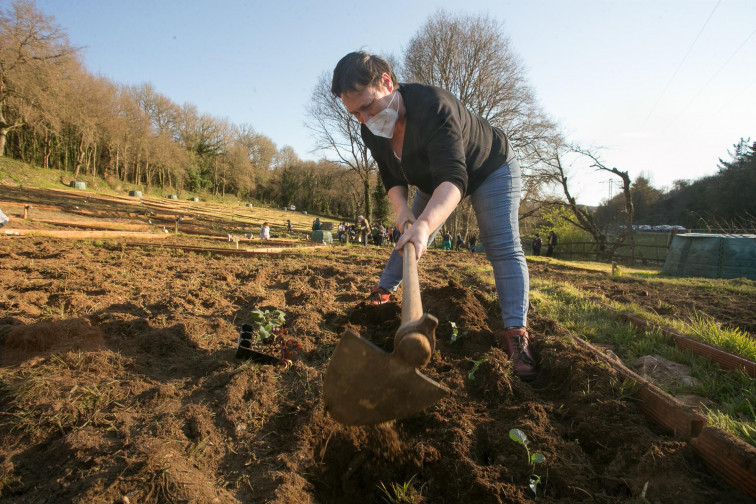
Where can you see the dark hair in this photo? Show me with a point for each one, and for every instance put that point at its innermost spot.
(358, 70)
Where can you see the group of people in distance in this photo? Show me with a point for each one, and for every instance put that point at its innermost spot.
(538, 243)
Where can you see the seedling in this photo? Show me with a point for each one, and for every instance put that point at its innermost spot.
(476, 365)
(269, 331)
(268, 323)
(519, 437)
(455, 331)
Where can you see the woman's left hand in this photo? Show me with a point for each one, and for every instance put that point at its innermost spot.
(418, 235)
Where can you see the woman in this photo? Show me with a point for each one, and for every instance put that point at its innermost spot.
(424, 136)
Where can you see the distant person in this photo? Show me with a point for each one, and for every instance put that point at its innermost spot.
(289, 229)
(364, 230)
(537, 245)
(381, 238)
(473, 242)
(424, 136)
(316, 225)
(552, 243)
(459, 243)
(265, 231)
(446, 245)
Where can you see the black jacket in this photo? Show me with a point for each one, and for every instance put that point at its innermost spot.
(443, 142)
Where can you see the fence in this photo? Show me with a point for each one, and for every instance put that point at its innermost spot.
(648, 249)
(637, 253)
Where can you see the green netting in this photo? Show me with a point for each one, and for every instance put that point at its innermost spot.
(322, 236)
(712, 256)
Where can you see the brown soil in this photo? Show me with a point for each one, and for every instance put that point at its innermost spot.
(119, 378)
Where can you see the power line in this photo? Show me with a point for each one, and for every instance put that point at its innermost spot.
(681, 63)
(713, 76)
(735, 97)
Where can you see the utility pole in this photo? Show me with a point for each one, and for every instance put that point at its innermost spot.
(611, 185)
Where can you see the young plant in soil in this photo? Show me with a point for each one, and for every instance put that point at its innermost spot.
(455, 331)
(456, 334)
(271, 332)
(268, 323)
(519, 437)
(476, 365)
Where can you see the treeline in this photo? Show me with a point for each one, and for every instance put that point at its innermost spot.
(723, 200)
(55, 114)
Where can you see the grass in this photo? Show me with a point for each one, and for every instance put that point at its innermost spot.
(77, 396)
(645, 271)
(402, 493)
(226, 207)
(732, 392)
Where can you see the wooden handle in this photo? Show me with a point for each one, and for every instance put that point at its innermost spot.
(412, 306)
(413, 347)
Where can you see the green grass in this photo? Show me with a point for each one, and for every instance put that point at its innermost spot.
(733, 392)
(645, 271)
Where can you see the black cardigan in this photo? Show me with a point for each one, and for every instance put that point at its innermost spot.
(443, 142)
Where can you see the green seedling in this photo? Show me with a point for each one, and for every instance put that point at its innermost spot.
(476, 365)
(268, 323)
(455, 331)
(519, 437)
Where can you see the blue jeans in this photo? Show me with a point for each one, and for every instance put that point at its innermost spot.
(496, 203)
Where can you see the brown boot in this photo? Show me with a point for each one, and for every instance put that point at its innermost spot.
(518, 349)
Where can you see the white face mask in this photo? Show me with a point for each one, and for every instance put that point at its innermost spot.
(382, 124)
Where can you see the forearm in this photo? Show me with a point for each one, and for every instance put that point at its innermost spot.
(397, 195)
(442, 203)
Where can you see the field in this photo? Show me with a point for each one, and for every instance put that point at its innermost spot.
(119, 381)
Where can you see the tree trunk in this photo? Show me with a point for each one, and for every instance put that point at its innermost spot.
(368, 206)
(46, 150)
(94, 159)
(80, 156)
(3, 136)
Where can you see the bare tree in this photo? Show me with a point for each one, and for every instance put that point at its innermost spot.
(338, 133)
(583, 217)
(33, 53)
(470, 57)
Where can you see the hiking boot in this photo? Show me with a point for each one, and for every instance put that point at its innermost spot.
(518, 349)
(379, 295)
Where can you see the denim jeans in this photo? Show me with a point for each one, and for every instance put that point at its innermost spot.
(496, 203)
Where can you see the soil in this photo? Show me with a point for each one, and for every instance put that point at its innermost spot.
(119, 379)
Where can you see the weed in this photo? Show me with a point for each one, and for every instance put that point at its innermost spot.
(519, 437)
(406, 493)
(624, 389)
(476, 365)
(199, 448)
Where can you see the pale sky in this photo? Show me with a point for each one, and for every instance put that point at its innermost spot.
(664, 88)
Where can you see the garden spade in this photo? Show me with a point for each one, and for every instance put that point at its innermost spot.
(367, 385)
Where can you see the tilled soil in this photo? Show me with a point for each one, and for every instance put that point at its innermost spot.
(119, 378)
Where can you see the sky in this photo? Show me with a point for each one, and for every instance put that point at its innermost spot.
(658, 88)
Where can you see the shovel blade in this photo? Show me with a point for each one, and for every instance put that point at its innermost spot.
(366, 385)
